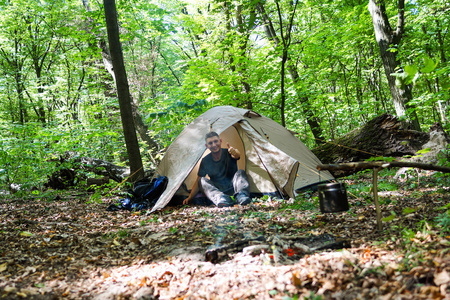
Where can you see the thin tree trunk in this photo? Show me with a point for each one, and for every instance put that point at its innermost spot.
(134, 155)
(241, 65)
(305, 105)
(141, 127)
(440, 41)
(386, 38)
(286, 41)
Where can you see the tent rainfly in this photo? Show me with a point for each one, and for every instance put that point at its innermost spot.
(273, 158)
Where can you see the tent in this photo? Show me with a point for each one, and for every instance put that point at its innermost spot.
(273, 158)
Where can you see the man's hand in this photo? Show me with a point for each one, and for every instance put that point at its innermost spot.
(233, 152)
(186, 201)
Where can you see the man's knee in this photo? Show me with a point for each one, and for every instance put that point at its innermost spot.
(241, 174)
(202, 183)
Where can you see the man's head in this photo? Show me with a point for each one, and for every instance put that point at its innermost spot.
(213, 142)
(211, 134)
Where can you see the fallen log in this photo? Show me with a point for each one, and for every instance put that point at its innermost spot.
(355, 166)
(93, 183)
(71, 164)
(103, 168)
(382, 136)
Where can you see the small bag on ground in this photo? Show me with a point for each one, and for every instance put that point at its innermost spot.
(143, 196)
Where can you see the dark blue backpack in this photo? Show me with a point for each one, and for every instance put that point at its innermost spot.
(144, 195)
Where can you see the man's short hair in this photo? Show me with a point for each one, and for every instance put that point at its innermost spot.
(211, 134)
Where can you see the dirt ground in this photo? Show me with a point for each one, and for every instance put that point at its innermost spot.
(64, 247)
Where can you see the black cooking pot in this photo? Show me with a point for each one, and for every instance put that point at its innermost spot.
(333, 197)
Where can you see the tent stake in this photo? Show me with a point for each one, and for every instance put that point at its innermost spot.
(375, 197)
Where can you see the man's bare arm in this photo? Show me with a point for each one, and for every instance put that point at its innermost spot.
(193, 192)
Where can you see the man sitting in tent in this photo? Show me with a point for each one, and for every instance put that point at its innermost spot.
(225, 178)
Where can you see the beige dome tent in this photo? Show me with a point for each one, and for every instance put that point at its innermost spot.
(273, 158)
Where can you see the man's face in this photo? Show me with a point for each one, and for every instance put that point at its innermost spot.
(214, 144)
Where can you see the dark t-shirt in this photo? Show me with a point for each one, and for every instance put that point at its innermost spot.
(220, 172)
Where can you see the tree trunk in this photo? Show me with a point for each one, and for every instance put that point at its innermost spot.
(386, 39)
(305, 105)
(286, 42)
(142, 129)
(134, 155)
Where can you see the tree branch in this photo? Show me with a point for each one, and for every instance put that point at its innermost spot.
(170, 68)
(382, 164)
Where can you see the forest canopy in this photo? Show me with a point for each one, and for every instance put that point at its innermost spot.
(320, 68)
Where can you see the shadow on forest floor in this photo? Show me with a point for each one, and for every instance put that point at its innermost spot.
(69, 248)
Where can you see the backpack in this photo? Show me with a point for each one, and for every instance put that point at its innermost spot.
(144, 195)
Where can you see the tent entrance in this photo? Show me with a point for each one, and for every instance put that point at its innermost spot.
(230, 135)
(260, 181)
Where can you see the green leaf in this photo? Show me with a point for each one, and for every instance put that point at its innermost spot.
(26, 233)
(447, 206)
(381, 158)
(408, 210)
(423, 151)
(430, 65)
(411, 72)
(400, 78)
(390, 218)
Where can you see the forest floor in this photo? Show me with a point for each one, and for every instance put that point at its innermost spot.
(61, 245)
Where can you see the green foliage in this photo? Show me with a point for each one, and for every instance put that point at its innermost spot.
(23, 152)
(302, 202)
(30, 152)
(444, 157)
(381, 158)
(443, 221)
(358, 188)
(183, 58)
(312, 296)
(122, 233)
(385, 185)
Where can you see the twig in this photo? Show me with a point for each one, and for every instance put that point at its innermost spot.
(375, 197)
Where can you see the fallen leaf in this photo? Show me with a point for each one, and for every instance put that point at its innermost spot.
(296, 280)
(441, 278)
(9, 289)
(3, 267)
(26, 233)
(430, 292)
